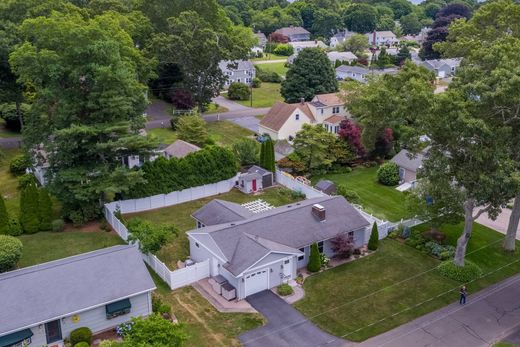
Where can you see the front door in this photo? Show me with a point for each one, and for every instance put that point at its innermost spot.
(53, 331)
(254, 185)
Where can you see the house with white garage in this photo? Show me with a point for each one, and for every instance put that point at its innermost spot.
(284, 120)
(442, 67)
(40, 305)
(258, 251)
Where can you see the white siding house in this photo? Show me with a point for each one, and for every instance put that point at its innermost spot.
(241, 71)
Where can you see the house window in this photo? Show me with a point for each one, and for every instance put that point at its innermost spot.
(297, 116)
(118, 308)
(336, 129)
(301, 257)
(351, 233)
(321, 111)
(320, 246)
(287, 261)
(335, 109)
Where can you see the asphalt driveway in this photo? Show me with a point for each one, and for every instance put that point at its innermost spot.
(286, 327)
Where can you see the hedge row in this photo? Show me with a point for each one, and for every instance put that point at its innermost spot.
(209, 165)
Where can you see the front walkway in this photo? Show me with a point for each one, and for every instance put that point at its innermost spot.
(221, 304)
(489, 316)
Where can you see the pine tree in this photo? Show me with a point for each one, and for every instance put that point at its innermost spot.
(267, 160)
(45, 210)
(29, 210)
(374, 238)
(4, 217)
(262, 154)
(314, 264)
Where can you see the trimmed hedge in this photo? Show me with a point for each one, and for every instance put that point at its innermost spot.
(314, 264)
(284, 289)
(373, 241)
(238, 91)
(10, 252)
(18, 164)
(467, 273)
(82, 334)
(388, 174)
(209, 165)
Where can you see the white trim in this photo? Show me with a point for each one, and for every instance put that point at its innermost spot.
(251, 268)
(78, 311)
(190, 235)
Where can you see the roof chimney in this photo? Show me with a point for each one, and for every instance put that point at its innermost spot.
(302, 101)
(318, 211)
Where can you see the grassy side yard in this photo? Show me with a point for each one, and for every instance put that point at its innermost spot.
(265, 96)
(398, 280)
(270, 56)
(203, 324)
(382, 201)
(279, 68)
(180, 215)
(9, 183)
(47, 246)
(215, 108)
(222, 132)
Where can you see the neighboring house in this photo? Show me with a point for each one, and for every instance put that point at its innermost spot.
(419, 38)
(41, 305)
(262, 251)
(326, 186)
(241, 71)
(340, 37)
(408, 164)
(300, 45)
(283, 120)
(294, 34)
(378, 38)
(262, 39)
(442, 67)
(359, 73)
(342, 57)
(179, 149)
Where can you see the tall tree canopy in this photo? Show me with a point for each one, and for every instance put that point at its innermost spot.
(88, 79)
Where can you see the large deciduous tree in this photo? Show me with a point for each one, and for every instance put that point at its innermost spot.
(88, 81)
(361, 18)
(309, 75)
(312, 145)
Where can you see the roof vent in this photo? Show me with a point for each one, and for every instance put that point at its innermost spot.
(318, 211)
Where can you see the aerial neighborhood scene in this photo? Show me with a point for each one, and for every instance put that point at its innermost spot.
(259, 173)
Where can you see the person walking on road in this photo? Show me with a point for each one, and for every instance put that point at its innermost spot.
(463, 294)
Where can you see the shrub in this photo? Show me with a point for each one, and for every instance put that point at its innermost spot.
(388, 174)
(314, 264)
(151, 236)
(82, 344)
(103, 225)
(182, 99)
(466, 273)
(173, 122)
(45, 210)
(324, 260)
(82, 334)
(268, 76)
(257, 82)
(343, 245)
(439, 251)
(10, 252)
(29, 218)
(284, 289)
(159, 307)
(18, 164)
(393, 234)
(238, 91)
(267, 157)
(192, 128)
(247, 151)
(284, 49)
(373, 242)
(13, 227)
(58, 225)
(26, 180)
(297, 195)
(350, 195)
(4, 217)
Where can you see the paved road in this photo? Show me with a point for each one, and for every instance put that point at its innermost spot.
(235, 114)
(11, 142)
(488, 317)
(500, 224)
(229, 104)
(286, 327)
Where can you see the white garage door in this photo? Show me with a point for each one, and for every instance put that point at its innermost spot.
(256, 282)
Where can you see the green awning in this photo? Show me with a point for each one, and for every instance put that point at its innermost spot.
(118, 306)
(11, 339)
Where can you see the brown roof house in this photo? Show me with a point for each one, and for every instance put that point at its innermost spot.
(283, 120)
(294, 34)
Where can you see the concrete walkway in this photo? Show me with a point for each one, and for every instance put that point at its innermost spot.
(500, 224)
(488, 317)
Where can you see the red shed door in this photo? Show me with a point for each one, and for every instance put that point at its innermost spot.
(254, 185)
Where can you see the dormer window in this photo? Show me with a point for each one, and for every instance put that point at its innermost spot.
(297, 116)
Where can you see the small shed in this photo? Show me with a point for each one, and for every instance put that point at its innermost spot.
(267, 176)
(250, 183)
(327, 187)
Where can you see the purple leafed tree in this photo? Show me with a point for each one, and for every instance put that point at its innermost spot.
(351, 132)
(343, 245)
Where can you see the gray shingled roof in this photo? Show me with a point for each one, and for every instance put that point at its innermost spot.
(354, 69)
(402, 159)
(227, 65)
(180, 149)
(293, 226)
(259, 170)
(326, 186)
(220, 211)
(51, 290)
(287, 31)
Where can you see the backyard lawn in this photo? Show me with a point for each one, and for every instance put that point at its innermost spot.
(180, 216)
(270, 56)
(46, 246)
(265, 96)
(382, 201)
(397, 284)
(222, 132)
(8, 182)
(204, 325)
(279, 68)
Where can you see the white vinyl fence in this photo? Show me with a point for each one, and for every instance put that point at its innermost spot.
(291, 183)
(176, 278)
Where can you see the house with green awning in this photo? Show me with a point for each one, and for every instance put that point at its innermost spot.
(40, 305)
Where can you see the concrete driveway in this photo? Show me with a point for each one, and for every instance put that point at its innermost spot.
(248, 122)
(286, 327)
(500, 224)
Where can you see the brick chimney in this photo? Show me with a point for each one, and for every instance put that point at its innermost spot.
(302, 101)
(318, 211)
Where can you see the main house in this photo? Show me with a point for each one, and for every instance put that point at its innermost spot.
(284, 120)
(255, 252)
(340, 37)
(178, 149)
(294, 34)
(40, 305)
(239, 71)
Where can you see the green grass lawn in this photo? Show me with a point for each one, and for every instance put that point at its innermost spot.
(203, 324)
(270, 56)
(9, 183)
(265, 96)
(398, 280)
(46, 246)
(279, 68)
(164, 135)
(377, 199)
(180, 215)
(215, 108)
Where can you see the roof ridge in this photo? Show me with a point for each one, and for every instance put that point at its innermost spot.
(63, 261)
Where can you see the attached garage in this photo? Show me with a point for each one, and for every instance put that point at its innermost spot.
(256, 281)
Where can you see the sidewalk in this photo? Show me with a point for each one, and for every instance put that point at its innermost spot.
(489, 316)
